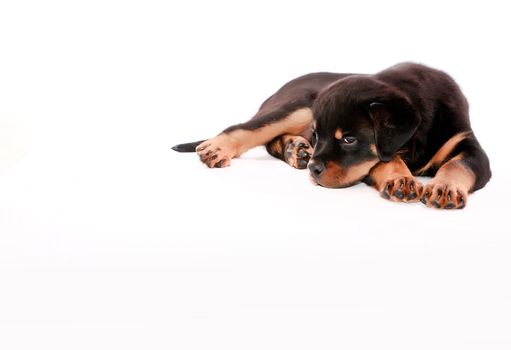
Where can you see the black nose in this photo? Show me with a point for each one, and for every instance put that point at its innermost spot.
(316, 168)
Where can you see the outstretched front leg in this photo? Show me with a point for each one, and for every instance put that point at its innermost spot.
(394, 181)
(264, 127)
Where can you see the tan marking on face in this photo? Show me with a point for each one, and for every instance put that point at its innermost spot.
(336, 177)
(441, 155)
(338, 134)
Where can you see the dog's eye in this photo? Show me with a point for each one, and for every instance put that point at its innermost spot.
(348, 140)
(314, 137)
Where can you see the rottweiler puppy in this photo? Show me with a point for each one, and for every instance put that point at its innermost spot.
(382, 129)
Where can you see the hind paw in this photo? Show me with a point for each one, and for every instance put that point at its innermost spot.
(297, 152)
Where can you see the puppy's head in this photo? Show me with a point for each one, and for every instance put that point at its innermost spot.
(359, 121)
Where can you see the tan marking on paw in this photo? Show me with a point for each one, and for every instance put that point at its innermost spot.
(294, 124)
(450, 187)
(218, 151)
(402, 189)
(395, 182)
(297, 152)
(444, 195)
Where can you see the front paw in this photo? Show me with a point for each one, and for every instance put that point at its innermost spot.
(217, 152)
(298, 152)
(444, 196)
(402, 189)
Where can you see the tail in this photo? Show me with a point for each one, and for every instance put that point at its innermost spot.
(187, 147)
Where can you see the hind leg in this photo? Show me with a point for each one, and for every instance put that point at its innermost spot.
(294, 150)
(264, 127)
(466, 170)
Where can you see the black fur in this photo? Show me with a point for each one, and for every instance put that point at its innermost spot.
(187, 147)
(408, 110)
(413, 110)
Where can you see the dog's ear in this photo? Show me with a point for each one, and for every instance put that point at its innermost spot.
(395, 122)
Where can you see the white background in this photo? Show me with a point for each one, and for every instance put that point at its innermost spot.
(110, 240)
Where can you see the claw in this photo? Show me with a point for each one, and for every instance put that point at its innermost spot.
(302, 153)
(444, 195)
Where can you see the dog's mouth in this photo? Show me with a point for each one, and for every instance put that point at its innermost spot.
(336, 177)
(337, 185)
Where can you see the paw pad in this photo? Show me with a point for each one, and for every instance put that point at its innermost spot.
(297, 152)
